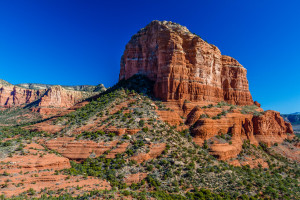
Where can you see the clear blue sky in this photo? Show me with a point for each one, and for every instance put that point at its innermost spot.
(81, 42)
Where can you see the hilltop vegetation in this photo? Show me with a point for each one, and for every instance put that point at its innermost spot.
(4, 83)
(85, 88)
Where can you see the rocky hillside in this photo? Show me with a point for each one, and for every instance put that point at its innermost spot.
(123, 142)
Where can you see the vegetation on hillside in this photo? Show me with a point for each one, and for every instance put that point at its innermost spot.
(184, 170)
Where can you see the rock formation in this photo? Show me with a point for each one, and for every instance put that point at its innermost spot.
(15, 96)
(79, 150)
(184, 66)
(57, 98)
(186, 69)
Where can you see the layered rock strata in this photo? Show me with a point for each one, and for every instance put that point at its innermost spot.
(57, 98)
(183, 66)
(15, 96)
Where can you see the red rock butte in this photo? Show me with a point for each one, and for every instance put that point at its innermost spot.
(184, 66)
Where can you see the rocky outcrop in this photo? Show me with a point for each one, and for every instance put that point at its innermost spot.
(183, 66)
(265, 127)
(134, 178)
(82, 149)
(155, 151)
(34, 162)
(270, 128)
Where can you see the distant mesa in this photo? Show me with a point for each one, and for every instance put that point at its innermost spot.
(294, 119)
(43, 98)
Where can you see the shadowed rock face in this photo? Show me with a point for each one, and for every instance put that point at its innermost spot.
(183, 66)
(15, 96)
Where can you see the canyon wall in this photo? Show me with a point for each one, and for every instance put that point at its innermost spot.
(48, 101)
(11, 96)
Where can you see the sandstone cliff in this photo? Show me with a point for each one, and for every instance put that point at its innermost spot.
(57, 99)
(47, 100)
(184, 66)
(15, 96)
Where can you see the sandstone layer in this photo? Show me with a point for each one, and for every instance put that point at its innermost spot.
(183, 66)
(36, 169)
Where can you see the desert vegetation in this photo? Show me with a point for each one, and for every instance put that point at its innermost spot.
(177, 169)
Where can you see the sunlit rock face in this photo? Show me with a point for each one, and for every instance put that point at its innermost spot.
(46, 101)
(183, 66)
(11, 96)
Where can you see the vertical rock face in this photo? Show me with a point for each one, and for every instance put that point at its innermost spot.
(15, 96)
(184, 66)
(59, 97)
(271, 128)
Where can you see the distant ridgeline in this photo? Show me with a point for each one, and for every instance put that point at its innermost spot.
(293, 118)
(86, 88)
(4, 83)
(38, 86)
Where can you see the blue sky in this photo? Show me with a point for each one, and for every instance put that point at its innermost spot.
(81, 42)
